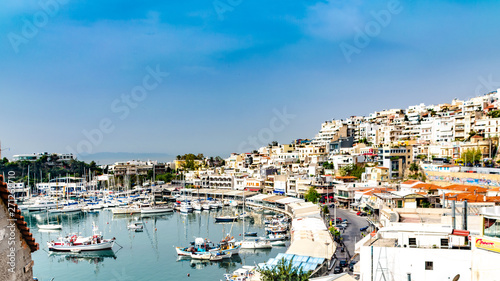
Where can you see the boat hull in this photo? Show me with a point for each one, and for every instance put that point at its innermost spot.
(71, 248)
(226, 219)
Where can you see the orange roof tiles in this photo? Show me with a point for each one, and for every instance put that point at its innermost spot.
(21, 224)
(465, 188)
(470, 197)
(426, 186)
(410, 182)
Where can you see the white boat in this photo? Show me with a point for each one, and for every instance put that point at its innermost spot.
(197, 206)
(254, 244)
(128, 211)
(186, 207)
(66, 209)
(278, 243)
(201, 256)
(156, 210)
(49, 226)
(135, 226)
(74, 243)
(276, 237)
(220, 256)
(242, 274)
(205, 206)
(42, 205)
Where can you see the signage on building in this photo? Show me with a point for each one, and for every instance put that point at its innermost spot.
(488, 244)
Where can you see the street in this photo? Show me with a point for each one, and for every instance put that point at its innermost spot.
(351, 234)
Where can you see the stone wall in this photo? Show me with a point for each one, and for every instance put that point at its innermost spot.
(15, 253)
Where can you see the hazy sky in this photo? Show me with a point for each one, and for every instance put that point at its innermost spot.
(224, 76)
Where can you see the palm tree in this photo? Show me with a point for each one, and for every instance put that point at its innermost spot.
(283, 271)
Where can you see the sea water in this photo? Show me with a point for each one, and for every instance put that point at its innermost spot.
(147, 255)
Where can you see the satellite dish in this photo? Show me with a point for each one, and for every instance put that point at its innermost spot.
(456, 277)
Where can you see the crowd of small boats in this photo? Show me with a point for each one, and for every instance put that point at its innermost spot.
(276, 226)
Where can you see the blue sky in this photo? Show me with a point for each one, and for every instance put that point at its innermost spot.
(229, 74)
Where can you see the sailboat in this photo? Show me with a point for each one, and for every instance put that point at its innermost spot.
(49, 226)
(254, 243)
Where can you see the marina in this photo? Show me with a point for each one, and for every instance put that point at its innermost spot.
(149, 254)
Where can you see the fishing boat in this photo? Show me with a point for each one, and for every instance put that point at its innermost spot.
(242, 274)
(220, 256)
(72, 243)
(201, 256)
(226, 219)
(199, 245)
(202, 246)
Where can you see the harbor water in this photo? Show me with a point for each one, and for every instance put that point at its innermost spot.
(147, 255)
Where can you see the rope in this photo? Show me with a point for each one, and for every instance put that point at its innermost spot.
(119, 245)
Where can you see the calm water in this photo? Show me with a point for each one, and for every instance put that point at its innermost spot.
(148, 255)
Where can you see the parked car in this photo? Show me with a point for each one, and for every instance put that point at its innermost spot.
(364, 228)
(345, 221)
(337, 270)
(351, 265)
(361, 214)
(343, 225)
(343, 263)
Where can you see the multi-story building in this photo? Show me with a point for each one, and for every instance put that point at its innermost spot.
(395, 159)
(60, 157)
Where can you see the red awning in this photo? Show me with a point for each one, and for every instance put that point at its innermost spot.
(460, 232)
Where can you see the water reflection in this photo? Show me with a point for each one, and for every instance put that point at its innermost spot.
(93, 257)
(227, 264)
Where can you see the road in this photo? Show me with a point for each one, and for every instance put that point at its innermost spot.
(351, 234)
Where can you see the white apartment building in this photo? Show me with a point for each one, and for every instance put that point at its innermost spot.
(488, 126)
(328, 130)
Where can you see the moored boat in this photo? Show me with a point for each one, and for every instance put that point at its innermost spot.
(226, 219)
(49, 226)
(73, 243)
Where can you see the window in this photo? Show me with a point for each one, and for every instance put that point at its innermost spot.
(429, 265)
(412, 242)
(444, 242)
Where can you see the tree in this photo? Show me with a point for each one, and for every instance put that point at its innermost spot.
(414, 167)
(325, 210)
(494, 114)
(472, 156)
(283, 271)
(353, 170)
(312, 195)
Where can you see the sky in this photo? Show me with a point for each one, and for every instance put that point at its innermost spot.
(215, 77)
